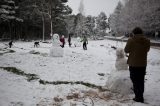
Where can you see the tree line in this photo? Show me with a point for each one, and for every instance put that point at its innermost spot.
(91, 26)
(37, 19)
(32, 19)
(142, 13)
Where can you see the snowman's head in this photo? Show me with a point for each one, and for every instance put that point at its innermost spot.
(56, 37)
(120, 53)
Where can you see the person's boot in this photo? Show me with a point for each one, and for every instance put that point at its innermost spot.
(139, 100)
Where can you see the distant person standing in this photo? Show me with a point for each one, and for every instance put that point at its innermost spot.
(85, 42)
(137, 47)
(69, 40)
(62, 39)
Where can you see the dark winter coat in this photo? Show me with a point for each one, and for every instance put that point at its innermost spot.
(69, 38)
(137, 47)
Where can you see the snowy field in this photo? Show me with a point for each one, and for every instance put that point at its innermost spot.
(92, 66)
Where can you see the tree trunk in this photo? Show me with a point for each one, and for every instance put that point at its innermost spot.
(51, 17)
(43, 20)
(10, 30)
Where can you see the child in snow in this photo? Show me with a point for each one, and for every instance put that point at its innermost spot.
(10, 44)
(62, 39)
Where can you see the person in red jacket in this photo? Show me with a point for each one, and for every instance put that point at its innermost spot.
(62, 39)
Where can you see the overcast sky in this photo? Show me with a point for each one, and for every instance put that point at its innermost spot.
(94, 7)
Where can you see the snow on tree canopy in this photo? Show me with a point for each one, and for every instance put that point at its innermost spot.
(3, 11)
(7, 10)
(18, 19)
(6, 7)
(10, 1)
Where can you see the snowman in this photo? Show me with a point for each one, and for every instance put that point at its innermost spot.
(77, 43)
(119, 80)
(121, 61)
(56, 50)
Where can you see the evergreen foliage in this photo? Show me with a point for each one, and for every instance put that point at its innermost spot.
(142, 13)
(101, 22)
(35, 18)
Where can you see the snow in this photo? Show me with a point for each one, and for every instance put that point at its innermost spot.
(75, 65)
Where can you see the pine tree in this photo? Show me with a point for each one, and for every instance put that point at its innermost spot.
(70, 24)
(79, 21)
(115, 19)
(45, 13)
(101, 24)
(142, 13)
(90, 25)
(8, 16)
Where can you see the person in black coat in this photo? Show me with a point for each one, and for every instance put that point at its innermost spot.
(137, 47)
(10, 44)
(69, 40)
(85, 42)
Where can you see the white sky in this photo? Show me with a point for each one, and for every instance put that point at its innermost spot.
(94, 7)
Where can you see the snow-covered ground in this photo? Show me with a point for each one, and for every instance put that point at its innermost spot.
(94, 66)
